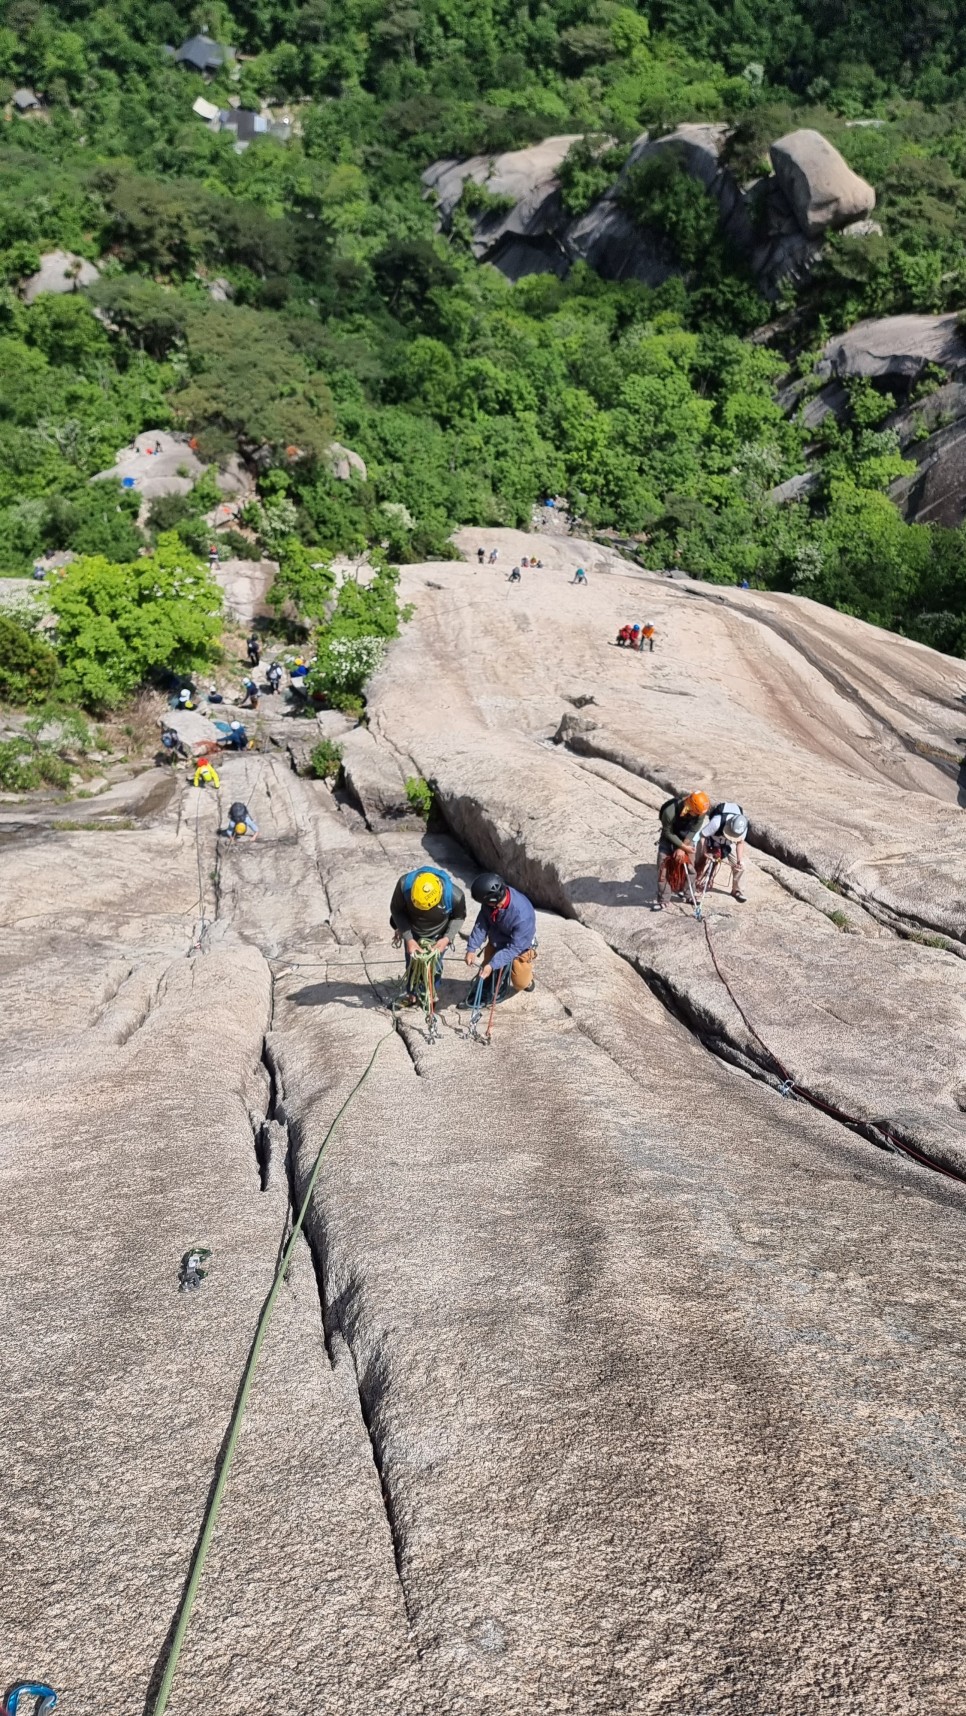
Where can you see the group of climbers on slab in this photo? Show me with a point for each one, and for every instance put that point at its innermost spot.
(427, 912)
(696, 834)
(636, 637)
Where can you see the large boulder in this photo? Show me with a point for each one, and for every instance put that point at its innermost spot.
(895, 348)
(616, 247)
(821, 187)
(246, 583)
(193, 729)
(60, 271)
(698, 147)
(525, 181)
(344, 463)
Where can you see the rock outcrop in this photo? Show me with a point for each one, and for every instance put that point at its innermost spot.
(897, 354)
(520, 236)
(895, 349)
(160, 462)
(607, 1376)
(824, 193)
(60, 271)
(246, 584)
(776, 223)
(344, 463)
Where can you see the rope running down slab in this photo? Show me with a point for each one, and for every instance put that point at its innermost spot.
(214, 1505)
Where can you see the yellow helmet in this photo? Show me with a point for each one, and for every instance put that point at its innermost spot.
(426, 891)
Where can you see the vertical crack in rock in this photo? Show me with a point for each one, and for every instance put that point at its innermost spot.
(339, 1312)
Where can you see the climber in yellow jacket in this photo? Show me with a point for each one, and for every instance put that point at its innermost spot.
(206, 774)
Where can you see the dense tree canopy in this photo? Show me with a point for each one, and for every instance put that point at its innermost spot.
(347, 316)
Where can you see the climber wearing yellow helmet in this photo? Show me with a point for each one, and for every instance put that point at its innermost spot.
(682, 820)
(206, 774)
(426, 906)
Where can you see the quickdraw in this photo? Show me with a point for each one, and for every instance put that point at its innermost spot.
(45, 1696)
(486, 1039)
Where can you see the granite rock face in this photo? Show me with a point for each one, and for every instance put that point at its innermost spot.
(897, 354)
(895, 349)
(60, 271)
(608, 1377)
(777, 223)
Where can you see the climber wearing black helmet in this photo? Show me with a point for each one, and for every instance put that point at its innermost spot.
(506, 930)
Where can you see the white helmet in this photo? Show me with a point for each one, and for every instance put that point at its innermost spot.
(735, 827)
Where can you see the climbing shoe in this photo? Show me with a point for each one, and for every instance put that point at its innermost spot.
(531, 986)
(469, 1001)
(741, 898)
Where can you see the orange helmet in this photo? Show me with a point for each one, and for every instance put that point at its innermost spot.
(697, 804)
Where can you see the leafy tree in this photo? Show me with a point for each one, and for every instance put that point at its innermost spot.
(251, 385)
(116, 625)
(303, 579)
(28, 667)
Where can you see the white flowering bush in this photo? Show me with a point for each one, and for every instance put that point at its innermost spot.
(343, 665)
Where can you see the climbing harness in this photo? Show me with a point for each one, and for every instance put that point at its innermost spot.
(191, 1273)
(421, 982)
(213, 1507)
(45, 1696)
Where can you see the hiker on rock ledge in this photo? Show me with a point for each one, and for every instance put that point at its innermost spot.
(506, 930)
(682, 820)
(426, 905)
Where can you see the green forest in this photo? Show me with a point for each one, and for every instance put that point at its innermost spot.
(470, 399)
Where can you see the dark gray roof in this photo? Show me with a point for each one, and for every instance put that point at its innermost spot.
(203, 54)
(243, 122)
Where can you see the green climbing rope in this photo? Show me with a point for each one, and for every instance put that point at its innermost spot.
(214, 1505)
(421, 982)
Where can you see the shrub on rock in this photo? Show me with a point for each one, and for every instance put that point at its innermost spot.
(28, 667)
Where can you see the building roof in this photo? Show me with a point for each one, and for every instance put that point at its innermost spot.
(205, 109)
(203, 54)
(24, 98)
(244, 123)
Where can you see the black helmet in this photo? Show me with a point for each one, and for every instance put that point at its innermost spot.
(489, 889)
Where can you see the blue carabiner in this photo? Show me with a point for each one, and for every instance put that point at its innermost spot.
(45, 1695)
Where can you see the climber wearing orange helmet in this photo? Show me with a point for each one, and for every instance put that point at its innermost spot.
(426, 906)
(682, 820)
